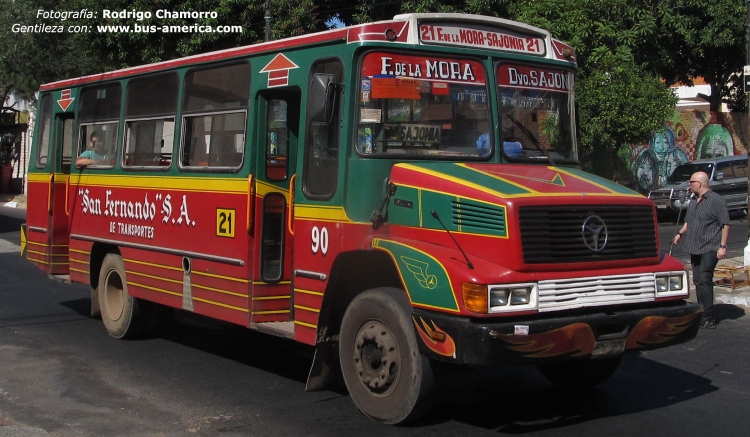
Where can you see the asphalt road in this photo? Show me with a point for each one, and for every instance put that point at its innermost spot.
(59, 371)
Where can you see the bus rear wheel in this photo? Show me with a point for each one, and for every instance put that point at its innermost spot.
(581, 374)
(121, 313)
(387, 378)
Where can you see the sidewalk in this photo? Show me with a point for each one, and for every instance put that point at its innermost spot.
(722, 290)
(13, 200)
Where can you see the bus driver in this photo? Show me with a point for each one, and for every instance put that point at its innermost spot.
(96, 154)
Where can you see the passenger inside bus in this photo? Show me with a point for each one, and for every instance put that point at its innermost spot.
(96, 154)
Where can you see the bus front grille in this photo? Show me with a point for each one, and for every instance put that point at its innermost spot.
(555, 234)
(564, 294)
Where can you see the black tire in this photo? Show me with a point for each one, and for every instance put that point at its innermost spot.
(581, 373)
(122, 314)
(387, 378)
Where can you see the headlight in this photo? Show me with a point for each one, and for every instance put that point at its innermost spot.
(671, 284)
(502, 298)
(675, 282)
(520, 296)
(499, 297)
(512, 297)
(661, 284)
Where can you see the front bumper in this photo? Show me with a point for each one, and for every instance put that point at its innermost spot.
(598, 334)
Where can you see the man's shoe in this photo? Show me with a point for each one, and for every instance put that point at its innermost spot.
(708, 324)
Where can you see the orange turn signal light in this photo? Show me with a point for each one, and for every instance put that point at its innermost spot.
(475, 297)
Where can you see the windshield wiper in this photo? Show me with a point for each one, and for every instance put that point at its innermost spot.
(533, 139)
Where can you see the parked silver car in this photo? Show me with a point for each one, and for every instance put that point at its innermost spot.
(727, 176)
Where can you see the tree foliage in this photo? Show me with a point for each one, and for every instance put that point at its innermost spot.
(627, 50)
(31, 59)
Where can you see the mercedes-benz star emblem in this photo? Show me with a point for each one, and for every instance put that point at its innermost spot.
(594, 233)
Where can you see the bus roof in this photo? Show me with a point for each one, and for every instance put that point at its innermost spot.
(449, 29)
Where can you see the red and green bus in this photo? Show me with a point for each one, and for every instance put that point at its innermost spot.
(395, 194)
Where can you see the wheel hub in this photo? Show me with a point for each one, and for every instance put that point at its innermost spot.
(376, 357)
(114, 294)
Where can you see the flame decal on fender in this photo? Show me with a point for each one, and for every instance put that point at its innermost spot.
(435, 338)
(574, 340)
(656, 329)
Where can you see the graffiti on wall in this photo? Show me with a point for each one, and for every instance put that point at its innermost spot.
(687, 137)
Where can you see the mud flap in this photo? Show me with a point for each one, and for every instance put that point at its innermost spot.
(324, 369)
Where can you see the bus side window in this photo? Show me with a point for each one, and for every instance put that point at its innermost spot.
(277, 140)
(150, 121)
(99, 123)
(45, 124)
(215, 117)
(322, 143)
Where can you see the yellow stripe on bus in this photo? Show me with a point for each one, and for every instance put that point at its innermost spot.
(314, 293)
(161, 182)
(304, 308)
(308, 325)
(36, 244)
(272, 297)
(228, 278)
(219, 304)
(132, 272)
(160, 290)
(321, 213)
(161, 266)
(79, 270)
(218, 290)
(179, 269)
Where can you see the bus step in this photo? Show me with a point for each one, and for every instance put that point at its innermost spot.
(279, 329)
(65, 279)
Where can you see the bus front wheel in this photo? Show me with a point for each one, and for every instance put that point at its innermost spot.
(120, 312)
(387, 378)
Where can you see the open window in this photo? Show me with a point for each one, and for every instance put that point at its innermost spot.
(99, 123)
(215, 117)
(150, 108)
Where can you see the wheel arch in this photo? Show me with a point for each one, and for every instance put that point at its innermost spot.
(352, 273)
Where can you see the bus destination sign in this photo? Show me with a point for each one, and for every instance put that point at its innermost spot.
(481, 39)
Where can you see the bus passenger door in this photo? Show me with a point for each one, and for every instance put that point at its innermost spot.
(278, 126)
(47, 225)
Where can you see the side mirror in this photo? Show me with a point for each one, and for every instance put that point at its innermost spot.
(323, 97)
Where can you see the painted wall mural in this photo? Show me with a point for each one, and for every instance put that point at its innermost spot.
(688, 136)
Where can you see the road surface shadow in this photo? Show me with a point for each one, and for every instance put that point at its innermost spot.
(725, 311)
(518, 400)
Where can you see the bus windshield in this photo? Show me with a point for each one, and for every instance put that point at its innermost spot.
(423, 107)
(535, 109)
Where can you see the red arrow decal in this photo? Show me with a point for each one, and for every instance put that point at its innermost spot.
(279, 62)
(65, 99)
